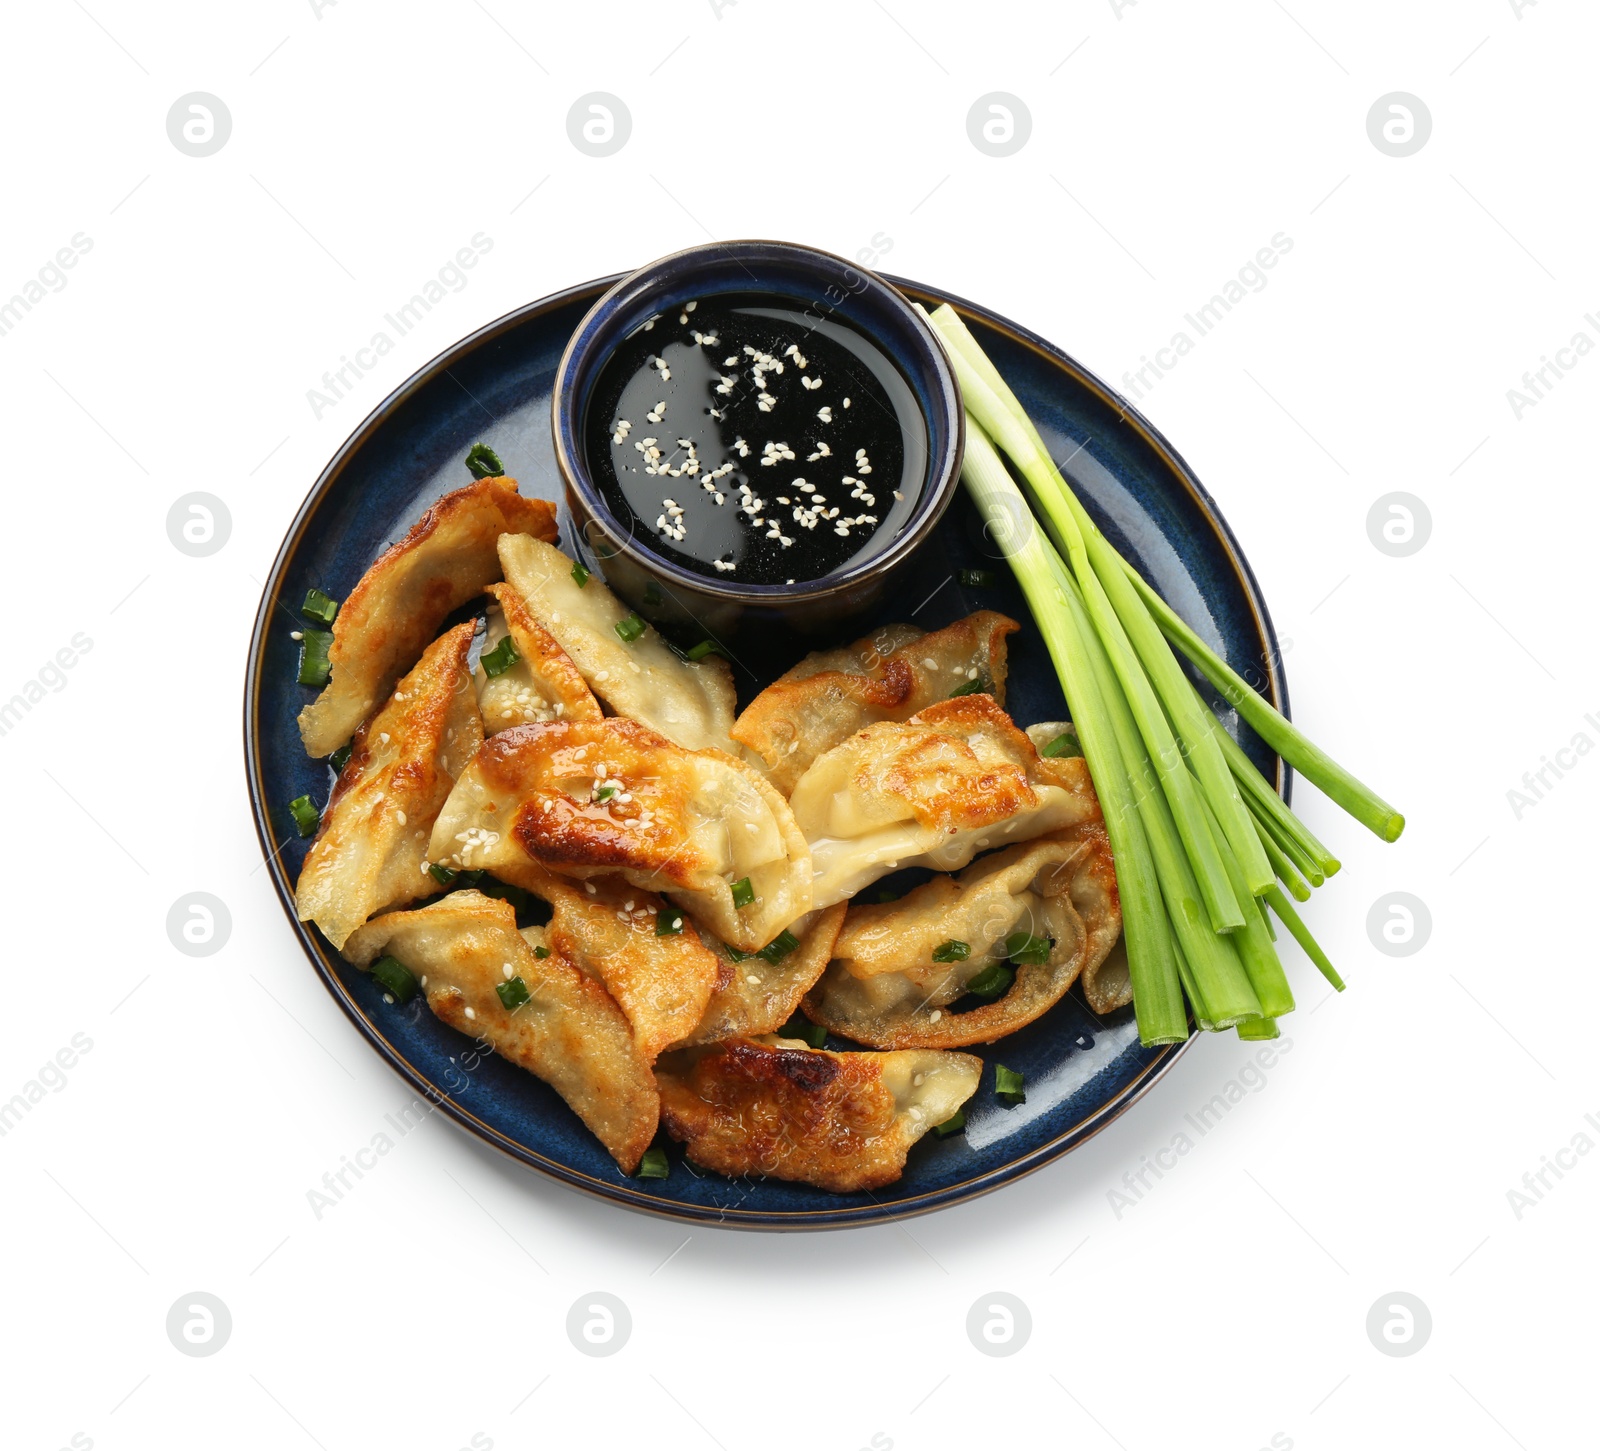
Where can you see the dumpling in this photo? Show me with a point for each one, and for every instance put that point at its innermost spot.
(587, 798)
(760, 995)
(543, 685)
(889, 675)
(840, 1121)
(447, 558)
(371, 848)
(607, 928)
(896, 969)
(933, 791)
(569, 1032)
(690, 702)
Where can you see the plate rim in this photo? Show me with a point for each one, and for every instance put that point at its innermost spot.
(624, 1193)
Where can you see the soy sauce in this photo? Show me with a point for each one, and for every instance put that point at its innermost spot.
(746, 441)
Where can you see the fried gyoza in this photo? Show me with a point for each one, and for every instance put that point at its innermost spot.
(447, 558)
(761, 996)
(889, 675)
(543, 685)
(371, 846)
(662, 981)
(588, 798)
(690, 702)
(933, 791)
(840, 1121)
(569, 1032)
(887, 986)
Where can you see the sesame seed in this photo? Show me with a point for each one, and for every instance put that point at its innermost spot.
(471, 1014)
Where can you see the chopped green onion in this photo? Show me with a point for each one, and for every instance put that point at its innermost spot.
(1064, 746)
(885, 894)
(704, 648)
(314, 666)
(395, 978)
(955, 950)
(630, 628)
(1256, 1030)
(652, 593)
(541, 952)
(978, 578)
(580, 575)
(513, 993)
(669, 922)
(338, 758)
(780, 947)
(605, 793)
(955, 1124)
(993, 982)
(306, 816)
(1027, 950)
(735, 955)
(743, 893)
(319, 607)
(500, 659)
(813, 1035)
(1008, 1086)
(977, 686)
(483, 462)
(442, 874)
(654, 1164)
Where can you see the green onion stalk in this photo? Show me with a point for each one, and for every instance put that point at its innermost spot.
(1202, 840)
(1157, 992)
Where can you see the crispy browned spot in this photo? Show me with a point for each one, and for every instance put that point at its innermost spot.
(819, 1118)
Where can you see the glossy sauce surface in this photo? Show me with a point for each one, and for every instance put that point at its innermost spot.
(751, 443)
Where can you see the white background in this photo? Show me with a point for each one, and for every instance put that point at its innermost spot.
(1169, 143)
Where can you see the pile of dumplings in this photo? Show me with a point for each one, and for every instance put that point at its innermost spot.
(701, 870)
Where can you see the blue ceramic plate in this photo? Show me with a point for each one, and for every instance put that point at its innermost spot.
(1082, 1071)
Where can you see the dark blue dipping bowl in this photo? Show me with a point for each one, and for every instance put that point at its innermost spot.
(826, 288)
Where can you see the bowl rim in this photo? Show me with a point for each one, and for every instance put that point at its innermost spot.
(943, 472)
(623, 1192)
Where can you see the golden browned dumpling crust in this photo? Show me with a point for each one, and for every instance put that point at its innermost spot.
(757, 996)
(386, 622)
(543, 685)
(587, 798)
(956, 779)
(887, 989)
(370, 849)
(607, 927)
(888, 675)
(690, 702)
(840, 1121)
(569, 1032)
